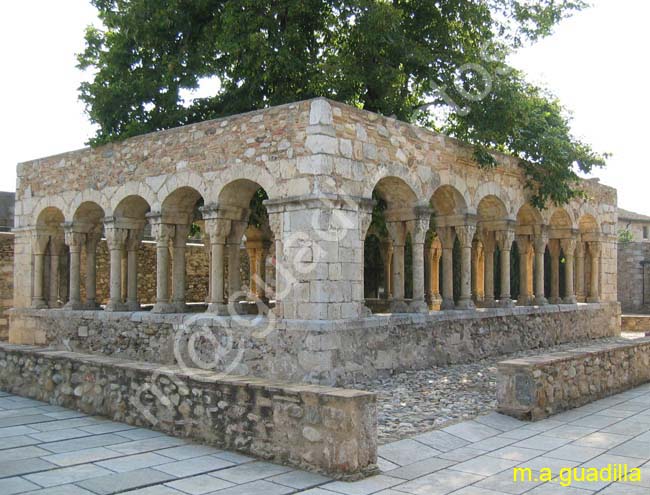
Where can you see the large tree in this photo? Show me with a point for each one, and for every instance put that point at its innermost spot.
(439, 63)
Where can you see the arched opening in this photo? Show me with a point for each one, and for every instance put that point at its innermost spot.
(388, 249)
(561, 239)
(587, 273)
(50, 260)
(531, 246)
(248, 274)
(486, 267)
(83, 237)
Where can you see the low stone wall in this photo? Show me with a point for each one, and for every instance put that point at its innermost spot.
(635, 323)
(537, 387)
(327, 352)
(321, 429)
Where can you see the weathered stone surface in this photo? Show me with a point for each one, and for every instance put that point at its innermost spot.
(537, 387)
(338, 435)
(331, 353)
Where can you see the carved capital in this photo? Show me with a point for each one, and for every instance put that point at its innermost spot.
(115, 237)
(276, 224)
(540, 241)
(465, 234)
(134, 239)
(568, 246)
(594, 248)
(217, 229)
(504, 239)
(73, 239)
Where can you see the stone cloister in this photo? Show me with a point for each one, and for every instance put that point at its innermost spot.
(309, 197)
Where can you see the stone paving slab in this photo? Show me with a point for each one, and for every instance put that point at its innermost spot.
(69, 453)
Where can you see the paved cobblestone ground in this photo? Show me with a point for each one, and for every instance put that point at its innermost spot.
(415, 402)
(47, 450)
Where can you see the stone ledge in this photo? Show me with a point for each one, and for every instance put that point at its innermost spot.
(536, 387)
(321, 429)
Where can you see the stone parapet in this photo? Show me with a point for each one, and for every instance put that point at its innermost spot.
(321, 429)
(326, 352)
(536, 387)
(635, 323)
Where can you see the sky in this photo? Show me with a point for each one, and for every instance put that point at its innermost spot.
(595, 62)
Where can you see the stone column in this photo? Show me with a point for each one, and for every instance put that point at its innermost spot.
(488, 269)
(74, 241)
(92, 239)
(465, 235)
(447, 237)
(554, 250)
(594, 286)
(477, 247)
(179, 245)
(133, 243)
(540, 241)
(115, 238)
(568, 246)
(434, 274)
(419, 228)
(387, 257)
(523, 245)
(39, 248)
(252, 252)
(580, 271)
(56, 249)
(163, 234)
(262, 253)
(397, 231)
(217, 230)
(234, 260)
(504, 238)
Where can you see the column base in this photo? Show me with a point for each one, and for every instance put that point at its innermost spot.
(218, 309)
(74, 305)
(179, 307)
(540, 301)
(465, 304)
(418, 307)
(506, 303)
(39, 304)
(436, 302)
(447, 304)
(569, 300)
(162, 307)
(398, 306)
(593, 299)
(580, 298)
(133, 306)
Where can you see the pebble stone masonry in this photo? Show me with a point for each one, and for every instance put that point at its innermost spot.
(318, 162)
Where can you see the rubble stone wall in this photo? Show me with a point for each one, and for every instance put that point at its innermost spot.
(537, 387)
(331, 353)
(633, 277)
(321, 429)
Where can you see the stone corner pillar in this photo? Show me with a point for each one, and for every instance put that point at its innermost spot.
(74, 240)
(465, 234)
(163, 233)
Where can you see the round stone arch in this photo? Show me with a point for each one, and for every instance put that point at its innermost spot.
(448, 179)
(142, 190)
(49, 203)
(88, 196)
(185, 179)
(447, 200)
(393, 172)
(89, 215)
(492, 189)
(251, 173)
(559, 218)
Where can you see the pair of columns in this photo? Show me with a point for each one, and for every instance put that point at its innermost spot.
(483, 267)
(123, 243)
(76, 241)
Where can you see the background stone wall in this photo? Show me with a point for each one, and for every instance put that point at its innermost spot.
(6, 280)
(331, 353)
(329, 431)
(633, 278)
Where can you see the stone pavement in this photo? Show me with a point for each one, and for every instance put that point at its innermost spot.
(49, 450)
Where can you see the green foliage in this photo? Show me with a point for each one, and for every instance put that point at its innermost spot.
(625, 236)
(399, 57)
(258, 215)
